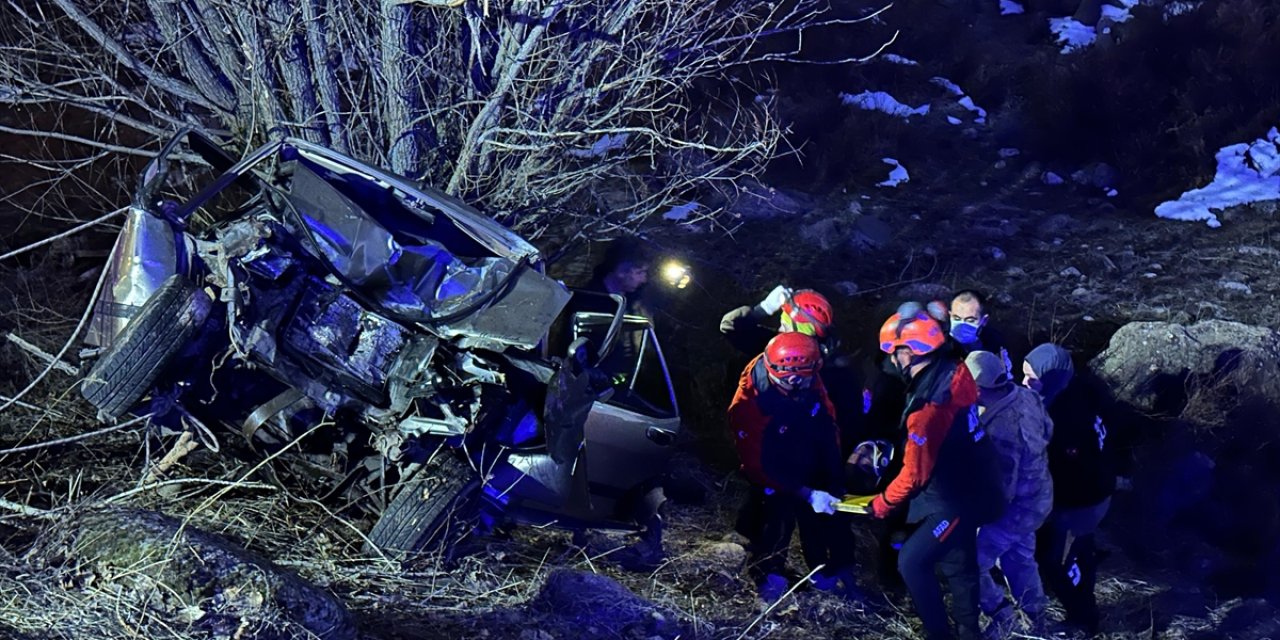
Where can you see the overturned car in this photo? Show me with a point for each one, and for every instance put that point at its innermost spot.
(385, 342)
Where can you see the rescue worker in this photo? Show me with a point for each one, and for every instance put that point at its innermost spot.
(809, 312)
(1083, 467)
(950, 480)
(784, 430)
(1015, 420)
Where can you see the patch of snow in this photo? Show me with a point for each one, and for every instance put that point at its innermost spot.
(1051, 178)
(680, 213)
(1111, 193)
(951, 87)
(1180, 7)
(1247, 172)
(881, 101)
(897, 176)
(608, 142)
(967, 103)
(1119, 14)
(1232, 285)
(954, 120)
(897, 59)
(1009, 152)
(1072, 34)
(1010, 8)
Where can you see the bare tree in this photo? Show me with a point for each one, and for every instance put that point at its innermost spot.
(613, 109)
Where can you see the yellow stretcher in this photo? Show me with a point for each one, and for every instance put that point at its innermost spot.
(855, 504)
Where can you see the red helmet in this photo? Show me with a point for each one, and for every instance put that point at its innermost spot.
(808, 312)
(912, 327)
(793, 354)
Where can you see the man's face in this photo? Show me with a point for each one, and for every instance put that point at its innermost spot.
(632, 276)
(968, 312)
(902, 359)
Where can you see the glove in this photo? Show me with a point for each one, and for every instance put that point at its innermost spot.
(822, 502)
(879, 508)
(730, 319)
(774, 300)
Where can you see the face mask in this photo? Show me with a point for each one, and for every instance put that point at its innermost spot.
(965, 333)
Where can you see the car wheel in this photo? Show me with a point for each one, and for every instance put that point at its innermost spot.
(430, 512)
(164, 325)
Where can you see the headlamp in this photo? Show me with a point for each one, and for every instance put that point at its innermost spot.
(676, 274)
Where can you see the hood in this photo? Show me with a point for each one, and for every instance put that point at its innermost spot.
(1052, 364)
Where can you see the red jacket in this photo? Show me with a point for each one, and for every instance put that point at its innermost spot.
(748, 422)
(927, 428)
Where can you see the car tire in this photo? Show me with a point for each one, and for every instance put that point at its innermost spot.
(126, 370)
(430, 512)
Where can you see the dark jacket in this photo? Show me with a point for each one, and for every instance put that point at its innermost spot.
(786, 443)
(949, 464)
(1082, 456)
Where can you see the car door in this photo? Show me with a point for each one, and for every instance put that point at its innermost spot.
(631, 435)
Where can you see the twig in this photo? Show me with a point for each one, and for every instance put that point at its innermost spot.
(69, 232)
(83, 436)
(227, 484)
(24, 509)
(186, 444)
(28, 405)
(41, 354)
(84, 319)
(766, 612)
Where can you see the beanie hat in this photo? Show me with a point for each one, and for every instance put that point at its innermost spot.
(987, 369)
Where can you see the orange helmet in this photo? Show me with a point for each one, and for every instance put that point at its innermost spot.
(793, 355)
(807, 312)
(912, 327)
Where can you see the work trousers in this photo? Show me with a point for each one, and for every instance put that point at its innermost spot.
(1014, 550)
(1068, 557)
(946, 544)
(825, 539)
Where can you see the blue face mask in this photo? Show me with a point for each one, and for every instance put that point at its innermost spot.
(965, 333)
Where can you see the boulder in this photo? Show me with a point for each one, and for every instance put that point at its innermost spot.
(601, 607)
(1201, 371)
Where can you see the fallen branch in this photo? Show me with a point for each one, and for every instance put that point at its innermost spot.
(186, 444)
(83, 436)
(41, 354)
(69, 232)
(24, 509)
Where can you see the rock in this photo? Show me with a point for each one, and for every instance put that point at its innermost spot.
(157, 561)
(925, 292)
(759, 201)
(1162, 367)
(847, 288)
(615, 611)
(871, 232)
(1098, 174)
(1070, 272)
(826, 234)
(996, 253)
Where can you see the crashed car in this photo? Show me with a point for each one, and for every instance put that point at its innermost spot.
(381, 339)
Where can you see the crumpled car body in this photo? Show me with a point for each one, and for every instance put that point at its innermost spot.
(385, 333)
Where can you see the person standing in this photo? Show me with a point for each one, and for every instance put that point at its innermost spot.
(1015, 420)
(1083, 467)
(950, 480)
(784, 429)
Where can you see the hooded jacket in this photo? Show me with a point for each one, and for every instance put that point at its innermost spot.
(785, 443)
(949, 465)
(1081, 456)
(1021, 430)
